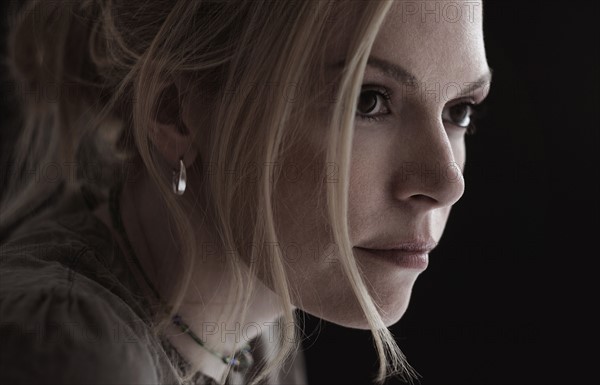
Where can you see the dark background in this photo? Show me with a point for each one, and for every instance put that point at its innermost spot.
(508, 296)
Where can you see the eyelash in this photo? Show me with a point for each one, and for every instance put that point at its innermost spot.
(477, 109)
(384, 93)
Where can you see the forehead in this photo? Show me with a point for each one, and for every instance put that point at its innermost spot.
(434, 40)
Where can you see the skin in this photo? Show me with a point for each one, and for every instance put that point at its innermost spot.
(387, 200)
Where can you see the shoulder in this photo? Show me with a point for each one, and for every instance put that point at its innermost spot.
(68, 314)
(72, 248)
(59, 333)
(58, 235)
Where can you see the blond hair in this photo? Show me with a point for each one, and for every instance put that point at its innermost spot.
(111, 59)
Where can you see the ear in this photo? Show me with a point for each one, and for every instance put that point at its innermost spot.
(171, 132)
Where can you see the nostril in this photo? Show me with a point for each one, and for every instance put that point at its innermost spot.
(424, 198)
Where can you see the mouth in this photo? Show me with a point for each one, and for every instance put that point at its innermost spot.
(414, 258)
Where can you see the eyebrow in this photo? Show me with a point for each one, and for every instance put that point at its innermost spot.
(396, 72)
(405, 77)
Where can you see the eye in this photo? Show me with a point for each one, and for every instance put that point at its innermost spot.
(461, 115)
(372, 100)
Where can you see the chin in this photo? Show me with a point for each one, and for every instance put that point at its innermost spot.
(393, 317)
(354, 318)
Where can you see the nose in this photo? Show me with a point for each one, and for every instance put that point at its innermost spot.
(428, 173)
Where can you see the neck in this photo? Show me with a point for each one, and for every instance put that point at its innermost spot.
(204, 308)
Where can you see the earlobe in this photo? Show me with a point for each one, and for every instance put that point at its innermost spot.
(168, 132)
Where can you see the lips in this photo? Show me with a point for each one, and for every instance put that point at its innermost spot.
(409, 254)
(407, 259)
(415, 246)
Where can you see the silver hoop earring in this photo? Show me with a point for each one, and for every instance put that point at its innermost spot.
(179, 179)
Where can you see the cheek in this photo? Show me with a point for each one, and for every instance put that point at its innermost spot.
(370, 174)
(362, 195)
(300, 211)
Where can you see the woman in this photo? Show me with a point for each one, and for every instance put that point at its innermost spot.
(205, 168)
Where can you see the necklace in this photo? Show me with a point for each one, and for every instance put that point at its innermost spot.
(239, 361)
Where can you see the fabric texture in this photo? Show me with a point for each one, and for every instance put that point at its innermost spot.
(72, 313)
